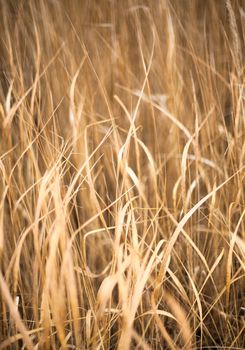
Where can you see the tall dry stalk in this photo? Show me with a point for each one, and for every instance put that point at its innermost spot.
(122, 161)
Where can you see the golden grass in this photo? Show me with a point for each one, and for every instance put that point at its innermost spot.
(122, 161)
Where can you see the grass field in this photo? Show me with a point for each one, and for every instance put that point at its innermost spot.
(122, 166)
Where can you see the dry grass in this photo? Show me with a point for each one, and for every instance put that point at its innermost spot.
(122, 153)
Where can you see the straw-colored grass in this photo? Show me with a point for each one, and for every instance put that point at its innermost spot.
(122, 162)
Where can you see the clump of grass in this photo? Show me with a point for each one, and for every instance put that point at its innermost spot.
(122, 175)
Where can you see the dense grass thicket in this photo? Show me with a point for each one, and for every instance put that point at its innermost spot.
(122, 166)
